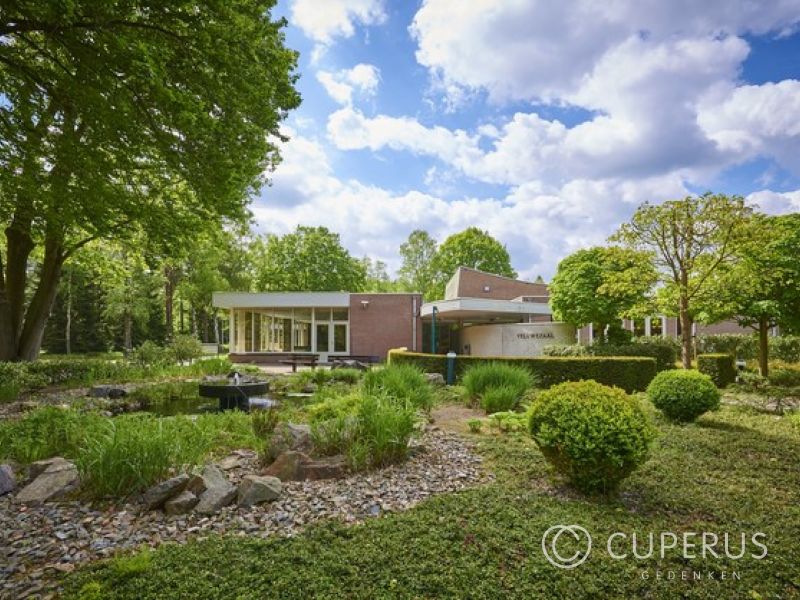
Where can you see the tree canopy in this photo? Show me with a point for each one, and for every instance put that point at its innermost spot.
(127, 117)
(472, 248)
(417, 253)
(309, 259)
(601, 285)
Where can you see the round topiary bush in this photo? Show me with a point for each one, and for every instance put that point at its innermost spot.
(593, 434)
(683, 395)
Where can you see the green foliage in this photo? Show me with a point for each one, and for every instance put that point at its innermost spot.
(346, 375)
(785, 377)
(384, 428)
(737, 345)
(403, 382)
(129, 565)
(498, 386)
(309, 259)
(475, 425)
(720, 367)
(630, 373)
(264, 422)
(785, 347)
(417, 271)
(592, 434)
(185, 348)
(471, 248)
(92, 590)
(335, 406)
(150, 354)
(564, 350)
(334, 435)
(601, 285)
(683, 395)
(663, 353)
(509, 421)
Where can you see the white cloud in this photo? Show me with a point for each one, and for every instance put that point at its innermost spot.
(325, 20)
(776, 203)
(539, 224)
(362, 79)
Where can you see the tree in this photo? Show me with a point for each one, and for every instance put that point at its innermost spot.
(471, 248)
(416, 273)
(119, 118)
(601, 286)
(691, 240)
(377, 278)
(310, 259)
(762, 290)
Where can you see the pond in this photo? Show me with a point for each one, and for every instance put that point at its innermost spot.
(176, 398)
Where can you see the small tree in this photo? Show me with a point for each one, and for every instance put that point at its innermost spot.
(416, 272)
(601, 285)
(691, 240)
(470, 248)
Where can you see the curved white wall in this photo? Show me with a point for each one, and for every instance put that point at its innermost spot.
(515, 339)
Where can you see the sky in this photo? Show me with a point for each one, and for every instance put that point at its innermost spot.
(545, 123)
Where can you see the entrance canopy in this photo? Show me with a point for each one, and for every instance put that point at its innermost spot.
(483, 310)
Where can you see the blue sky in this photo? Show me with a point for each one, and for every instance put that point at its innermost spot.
(545, 123)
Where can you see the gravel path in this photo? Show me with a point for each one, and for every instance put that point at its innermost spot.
(37, 543)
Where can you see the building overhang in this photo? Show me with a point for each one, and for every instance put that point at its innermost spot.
(481, 309)
(280, 299)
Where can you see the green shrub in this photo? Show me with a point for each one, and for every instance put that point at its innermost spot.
(475, 425)
(720, 367)
(784, 377)
(403, 382)
(150, 354)
(497, 386)
(785, 347)
(683, 395)
(564, 350)
(346, 375)
(508, 421)
(630, 373)
(333, 436)
(185, 348)
(593, 434)
(264, 422)
(340, 405)
(738, 345)
(664, 354)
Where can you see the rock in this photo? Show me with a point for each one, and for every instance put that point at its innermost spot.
(330, 467)
(161, 492)
(288, 466)
(182, 503)
(40, 466)
(230, 462)
(107, 391)
(58, 478)
(256, 489)
(213, 489)
(434, 378)
(289, 436)
(8, 481)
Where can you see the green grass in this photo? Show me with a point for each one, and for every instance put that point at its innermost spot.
(497, 386)
(734, 470)
(402, 382)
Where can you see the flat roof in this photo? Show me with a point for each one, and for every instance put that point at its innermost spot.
(482, 308)
(280, 299)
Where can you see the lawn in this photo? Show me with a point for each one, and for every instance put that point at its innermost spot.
(734, 471)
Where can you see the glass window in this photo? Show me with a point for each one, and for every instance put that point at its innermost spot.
(340, 337)
(638, 328)
(322, 314)
(323, 331)
(656, 327)
(340, 314)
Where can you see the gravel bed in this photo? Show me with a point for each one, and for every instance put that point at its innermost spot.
(37, 543)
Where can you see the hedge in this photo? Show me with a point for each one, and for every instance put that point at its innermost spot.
(633, 374)
(664, 354)
(720, 367)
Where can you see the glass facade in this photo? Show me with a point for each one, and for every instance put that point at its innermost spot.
(317, 330)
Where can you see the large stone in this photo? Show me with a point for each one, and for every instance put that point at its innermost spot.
(161, 492)
(182, 503)
(57, 479)
(330, 467)
(213, 489)
(8, 481)
(288, 466)
(434, 378)
(40, 466)
(256, 489)
(289, 436)
(107, 391)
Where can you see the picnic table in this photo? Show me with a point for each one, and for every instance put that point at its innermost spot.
(295, 359)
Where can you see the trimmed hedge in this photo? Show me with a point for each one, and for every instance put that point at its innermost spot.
(633, 374)
(720, 367)
(664, 354)
(738, 345)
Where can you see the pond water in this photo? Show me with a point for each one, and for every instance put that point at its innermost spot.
(183, 406)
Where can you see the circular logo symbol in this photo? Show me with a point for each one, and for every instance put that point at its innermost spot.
(550, 541)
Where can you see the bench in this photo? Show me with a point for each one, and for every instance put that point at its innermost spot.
(300, 359)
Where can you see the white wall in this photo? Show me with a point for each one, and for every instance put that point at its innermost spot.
(515, 339)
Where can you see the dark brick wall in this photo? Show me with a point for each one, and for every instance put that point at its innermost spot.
(387, 322)
(471, 285)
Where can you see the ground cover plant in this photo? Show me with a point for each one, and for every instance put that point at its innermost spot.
(683, 395)
(737, 469)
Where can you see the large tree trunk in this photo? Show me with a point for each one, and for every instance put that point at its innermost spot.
(763, 346)
(127, 331)
(686, 333)
(171, 276)
(68, 326)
